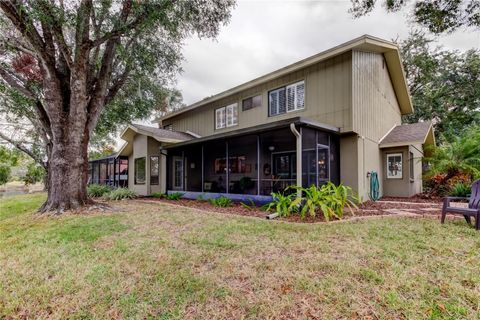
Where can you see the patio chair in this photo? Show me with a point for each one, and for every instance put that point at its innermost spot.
(473, 209)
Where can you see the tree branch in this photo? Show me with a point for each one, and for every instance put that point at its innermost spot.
(22, 148)
(12, 82)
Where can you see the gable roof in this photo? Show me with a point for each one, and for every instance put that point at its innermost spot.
(364, 43)
(407, 134)
(161, 135)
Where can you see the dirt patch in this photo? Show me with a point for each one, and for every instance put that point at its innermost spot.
(419, 198)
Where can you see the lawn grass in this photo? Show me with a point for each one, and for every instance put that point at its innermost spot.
(153, 260)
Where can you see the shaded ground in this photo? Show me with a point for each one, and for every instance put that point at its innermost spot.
(154, 260)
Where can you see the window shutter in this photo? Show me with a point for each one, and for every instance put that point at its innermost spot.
(273, 102)
(234, 108)
(300, 95)
(232, 115)
(291, 97)
(220, 118)
(281, 101)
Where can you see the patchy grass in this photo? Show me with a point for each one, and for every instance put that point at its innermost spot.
(154, 260)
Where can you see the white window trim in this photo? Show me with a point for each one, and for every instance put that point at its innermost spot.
(295, 96)
(221, 116)
(401, 161)
(233, 108)
(220, 120)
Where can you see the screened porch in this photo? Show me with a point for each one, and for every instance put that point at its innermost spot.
(253, 164)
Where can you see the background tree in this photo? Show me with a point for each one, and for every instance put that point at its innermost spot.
(438, 16)
(444, 85)
(88, 57)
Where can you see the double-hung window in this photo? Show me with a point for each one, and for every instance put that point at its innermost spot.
(226, 116)
(286, 99)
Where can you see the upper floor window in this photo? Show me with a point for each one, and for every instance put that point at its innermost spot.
(286, 99)
(251, 102)
(226, 116)
(168, 127)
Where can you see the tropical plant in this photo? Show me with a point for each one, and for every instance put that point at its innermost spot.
(249, 206)
(174, 196)
(221, 202)
(458, 155)
(158, 195)
(97, 190)
(120, 194)
(330, 199)
(460, 190)
(281, 204)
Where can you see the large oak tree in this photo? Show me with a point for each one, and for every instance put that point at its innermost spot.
(67, 61)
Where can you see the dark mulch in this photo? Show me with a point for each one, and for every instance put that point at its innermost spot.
(420, 198)
(368, 208)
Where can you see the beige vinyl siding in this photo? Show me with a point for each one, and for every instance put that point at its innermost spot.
(375, 106)
(328, 96)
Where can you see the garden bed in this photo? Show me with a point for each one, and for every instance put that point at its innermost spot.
(366, 209)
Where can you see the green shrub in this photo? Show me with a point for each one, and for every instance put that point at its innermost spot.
(201, 197)
(97, 190)
(34, 174)
(120, 194)
(4, 174)
(158, 195)
(460, 190)
(221, 202)
(250, 206)
(330, 199)
(174, 196)
(281, 204)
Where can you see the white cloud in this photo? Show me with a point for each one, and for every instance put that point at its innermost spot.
(263, 36)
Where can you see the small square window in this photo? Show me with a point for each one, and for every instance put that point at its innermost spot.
(394, 166)
(252, 102)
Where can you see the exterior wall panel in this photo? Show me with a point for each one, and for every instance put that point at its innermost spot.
(375, 105)
(328, 96)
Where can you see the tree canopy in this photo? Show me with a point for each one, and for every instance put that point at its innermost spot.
(438, 16)
(72, 67)
(444, 85)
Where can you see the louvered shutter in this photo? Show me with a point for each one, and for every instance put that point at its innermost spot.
(220, 118)
(300, 95)
(291, 97)
(232, 115)
(273, 102)
(282, 108)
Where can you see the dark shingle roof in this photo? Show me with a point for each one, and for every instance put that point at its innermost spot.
(163, 133)
(415, 132)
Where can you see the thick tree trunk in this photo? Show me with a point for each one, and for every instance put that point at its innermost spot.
(67, 176)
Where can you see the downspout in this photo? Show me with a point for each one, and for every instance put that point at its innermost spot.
(298, 137)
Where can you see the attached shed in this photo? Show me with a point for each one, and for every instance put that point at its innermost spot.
(402, 153)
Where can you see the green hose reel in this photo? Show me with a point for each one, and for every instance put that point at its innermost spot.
(374, 192)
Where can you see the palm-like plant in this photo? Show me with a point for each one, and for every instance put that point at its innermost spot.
(459, 155)
(329, 198)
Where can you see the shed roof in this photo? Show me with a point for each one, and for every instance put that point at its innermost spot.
(364, 43)
(407, 134)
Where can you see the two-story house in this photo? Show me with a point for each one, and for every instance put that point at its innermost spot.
(335, 116)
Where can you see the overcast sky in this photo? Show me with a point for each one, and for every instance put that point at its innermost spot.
(263, 36)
